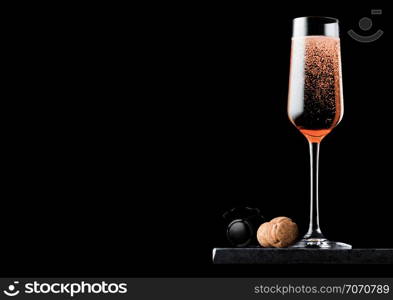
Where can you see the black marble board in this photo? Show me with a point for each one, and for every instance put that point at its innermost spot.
(259, 255)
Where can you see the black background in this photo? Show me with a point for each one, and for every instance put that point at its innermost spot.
(132, 129)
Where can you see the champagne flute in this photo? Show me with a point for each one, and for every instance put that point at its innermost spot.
(315, 102)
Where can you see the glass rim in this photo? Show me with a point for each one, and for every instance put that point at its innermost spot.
(319, 18)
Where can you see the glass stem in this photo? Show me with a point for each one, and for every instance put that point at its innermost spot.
(314, 232)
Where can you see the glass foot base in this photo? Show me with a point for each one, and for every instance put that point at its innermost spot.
(320, 244)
